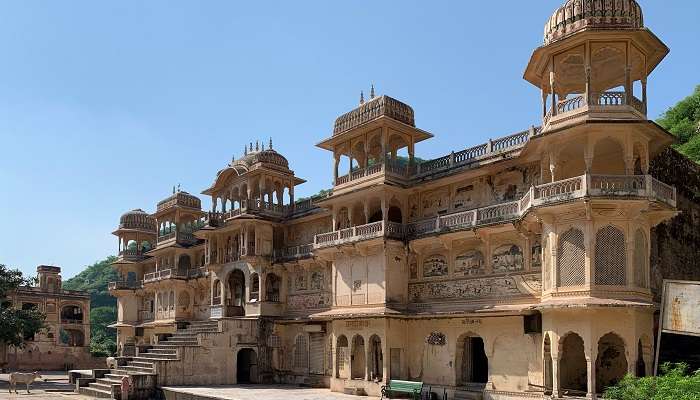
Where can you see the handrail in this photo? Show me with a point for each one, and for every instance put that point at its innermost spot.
(541, 195)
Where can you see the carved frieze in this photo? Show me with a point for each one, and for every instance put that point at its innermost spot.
(480, 288)
(507, 258)
(309, 301)
(434, 265)
(436, 339)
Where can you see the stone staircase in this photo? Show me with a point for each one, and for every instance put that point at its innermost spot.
(142, 364)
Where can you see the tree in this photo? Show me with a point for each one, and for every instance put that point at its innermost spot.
(674, 383)
(16, 324)
(683, 121)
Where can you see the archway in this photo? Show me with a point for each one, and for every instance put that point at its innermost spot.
(254, 287)
(608, 158)
(376, 359)
(472, 363)
(357, 360)
(611, 363)
(572, 365)
(341, 354)
(272, 287)
(246, 366)
(394, 214)
(640, 369)
(183, 265)
(547, 367)
(71, 315)
(235, 293)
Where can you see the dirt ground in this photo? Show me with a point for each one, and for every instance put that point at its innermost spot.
(52, 386)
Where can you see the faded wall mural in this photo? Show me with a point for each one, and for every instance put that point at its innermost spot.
(434, 265)
(309, 301)
(469, 263)
(507, 258)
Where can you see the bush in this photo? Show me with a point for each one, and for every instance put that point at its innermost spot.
(674, 383)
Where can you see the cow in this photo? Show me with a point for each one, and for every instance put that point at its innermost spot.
(111, 363)
(21, 377)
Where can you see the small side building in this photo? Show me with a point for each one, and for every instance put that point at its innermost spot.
(65, 342)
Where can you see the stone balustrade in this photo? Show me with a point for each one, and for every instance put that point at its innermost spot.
(580, 104)
(163, 274)
(293, 252)
(145, 315)
(123, 284)
(584, 186)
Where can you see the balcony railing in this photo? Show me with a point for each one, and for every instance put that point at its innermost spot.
(606, 186)
(293, 252)
(145, 315)
(579, 103)
(197, 272)
(124, 284)
(162, 274)
(387, 167)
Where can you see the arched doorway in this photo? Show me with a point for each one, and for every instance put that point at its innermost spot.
(357, 359)
(640, 369)
(183, 265)
(472, 363)
(572, 365)
(235, 301)
(341, 355)
(394, 214)
(547, 361)
(246, 366)
(376, 358)
(611, 363)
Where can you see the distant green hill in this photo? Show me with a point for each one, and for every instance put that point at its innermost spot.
(683, 121)
(103, 307)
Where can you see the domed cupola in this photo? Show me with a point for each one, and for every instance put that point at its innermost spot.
(269, 157)
(578, 15)
(138, 219)
(181, 199)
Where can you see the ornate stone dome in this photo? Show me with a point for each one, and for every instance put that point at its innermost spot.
(137, 219)
(268, 156)
(372, 109)
(577, 15)
(180, 198)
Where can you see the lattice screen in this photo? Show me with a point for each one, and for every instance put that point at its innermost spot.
(301, 352)
(546, 273)
(610, 257)
(571, 256)
(640, 260)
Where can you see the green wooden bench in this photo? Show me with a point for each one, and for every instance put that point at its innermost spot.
(409, 387)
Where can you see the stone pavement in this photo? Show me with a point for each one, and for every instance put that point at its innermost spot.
(257, 392)
(52, 386)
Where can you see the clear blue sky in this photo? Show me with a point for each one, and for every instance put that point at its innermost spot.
(104, 106)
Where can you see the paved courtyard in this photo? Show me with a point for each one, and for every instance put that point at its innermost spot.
(260, 392)
(53, 386)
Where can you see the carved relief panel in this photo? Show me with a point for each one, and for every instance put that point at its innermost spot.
(536, 254)
(435, 202)
(465, 196)
(413, 207)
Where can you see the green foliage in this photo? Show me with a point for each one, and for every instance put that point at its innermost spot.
(16, 324)
(321, 193)
(683, 121)
(674, 383)
(94, 279)
(103, 307)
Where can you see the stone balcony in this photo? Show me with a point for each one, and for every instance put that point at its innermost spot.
(172, 273)
(359, 233)
(131, 255)
(607, 105)
(622, 187)
(124, 285)
(292, 253)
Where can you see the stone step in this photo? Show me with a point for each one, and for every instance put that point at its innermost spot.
(144, 370)
(95, 393)
(141, 364)
(105, 387)
(161, 350)
(155, 357)
(109, 381)
(115, 377)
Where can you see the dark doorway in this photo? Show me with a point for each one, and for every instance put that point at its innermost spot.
(474, 363)
(246, 366)
(183, 265)
(394, 214)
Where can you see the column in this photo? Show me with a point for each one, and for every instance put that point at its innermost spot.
(291, 194)
(555, 376)
(590, 372)
(544, 103)
(554, 97)
(644, 94)
(384, 210)
(552, 165)
(366, 211)
(336, 158)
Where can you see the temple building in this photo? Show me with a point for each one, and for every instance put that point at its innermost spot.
(64, 342)
(523, 267)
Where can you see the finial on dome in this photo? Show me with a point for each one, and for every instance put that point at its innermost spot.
(245, 150)
(371, 92)
(262, 146)
(173, 189)
(362, 98)
(257, 147)
(270, 145)
(178, 187)
(251, 147)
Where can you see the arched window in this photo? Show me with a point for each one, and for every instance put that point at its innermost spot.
(610, 257)
(272, 287)
(217, 292)
(641, 260)
(357, 360)
(571, 259)
(572, 364)
(341, 355)
(301, 352)
(254, 286)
